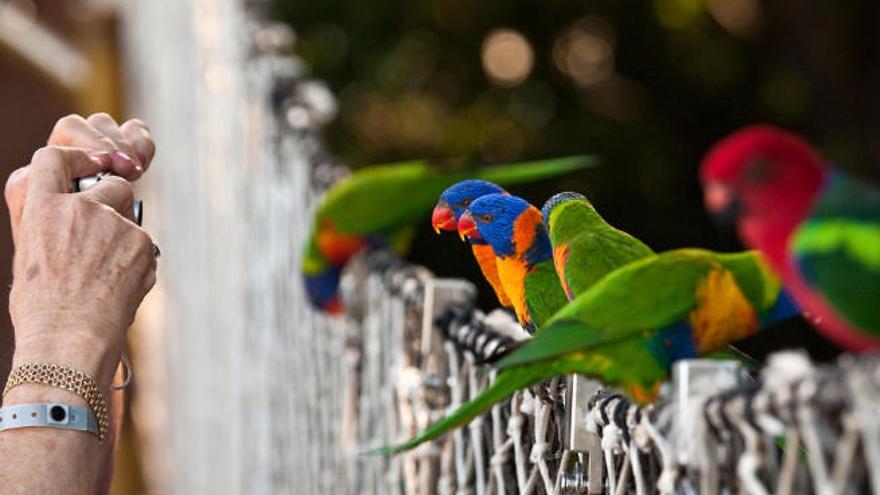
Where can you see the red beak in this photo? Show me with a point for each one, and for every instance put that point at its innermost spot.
(442, 218)
(467, 227)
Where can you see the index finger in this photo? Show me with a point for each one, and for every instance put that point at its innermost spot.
(52, 168)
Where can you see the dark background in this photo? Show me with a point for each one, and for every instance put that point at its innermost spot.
(647, 85)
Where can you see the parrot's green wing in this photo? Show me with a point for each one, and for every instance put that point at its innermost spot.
(585, 247)
(646, 296)
(383, 197)
(611, 343)
(837, 250)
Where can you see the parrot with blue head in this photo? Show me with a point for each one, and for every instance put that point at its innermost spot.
(515, 230)
(354, 215)
(453, 202)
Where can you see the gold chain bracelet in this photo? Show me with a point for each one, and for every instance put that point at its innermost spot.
(67, 378)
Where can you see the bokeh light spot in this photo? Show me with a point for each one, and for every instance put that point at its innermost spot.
(585, 52)
(18, 15)
(508, 57)
(740, 17)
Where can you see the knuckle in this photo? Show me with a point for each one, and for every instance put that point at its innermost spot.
(107, 142)
(138, 122)
(120, 187)
(47, 154)
(142, 241)
(82, 204)
(16, 179)
(100, 117)
(69, 121)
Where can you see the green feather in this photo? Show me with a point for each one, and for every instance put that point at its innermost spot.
(644, 297)
(603, 362)
(379, 198)
(837, 250)
(544, 295)
(840, 260)
(605, 332)
(387, 199)
(854, 239)
(593, 247)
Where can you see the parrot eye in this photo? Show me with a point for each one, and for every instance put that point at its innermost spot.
(465, 203)
(486, 218)
(758, 171)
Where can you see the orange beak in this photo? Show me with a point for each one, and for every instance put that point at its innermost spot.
(467, 227)
(442, 218)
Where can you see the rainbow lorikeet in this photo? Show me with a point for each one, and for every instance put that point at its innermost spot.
(585, 246)
(452, 204)
(628, 328)
(515, 230)
(355, 214)
(818, 227)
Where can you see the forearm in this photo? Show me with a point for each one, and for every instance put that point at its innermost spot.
(33, 460)
(81, 268)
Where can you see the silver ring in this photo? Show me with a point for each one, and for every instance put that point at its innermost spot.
(156, 251)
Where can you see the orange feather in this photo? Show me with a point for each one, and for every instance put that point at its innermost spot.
(512, 273)
(485, 257)
(336, 247)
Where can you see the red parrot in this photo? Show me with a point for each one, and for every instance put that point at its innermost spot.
(818, 227)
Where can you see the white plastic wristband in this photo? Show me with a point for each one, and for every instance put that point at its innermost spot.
(48, 415)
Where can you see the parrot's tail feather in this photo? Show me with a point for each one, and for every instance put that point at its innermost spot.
(518, 173)
(506, 383)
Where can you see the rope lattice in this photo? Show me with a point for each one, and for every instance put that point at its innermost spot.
(794, 428)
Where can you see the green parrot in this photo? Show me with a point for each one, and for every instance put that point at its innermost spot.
(377, 207)
(585, 246)
(546, 258)
(628, 328)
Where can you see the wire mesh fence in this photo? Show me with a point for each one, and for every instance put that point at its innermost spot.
(791, 428)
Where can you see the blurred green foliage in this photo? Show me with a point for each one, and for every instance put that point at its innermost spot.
(648, 84)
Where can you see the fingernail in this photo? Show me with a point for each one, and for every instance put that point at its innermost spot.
(120, 158)
(139, 169)
(101, 156)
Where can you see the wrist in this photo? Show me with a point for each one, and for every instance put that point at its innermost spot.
(81, 351)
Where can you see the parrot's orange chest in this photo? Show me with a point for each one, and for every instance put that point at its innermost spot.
(512, 273)
(512, 269)
(336, 247)
(485, 256)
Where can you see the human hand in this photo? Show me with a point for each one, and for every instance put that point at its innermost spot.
(126, 150)
(81, 267)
